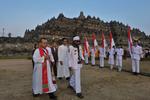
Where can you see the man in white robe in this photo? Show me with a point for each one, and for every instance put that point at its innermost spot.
(63, 57)
(93, 56)
(102, 55)
(119, 52)
(75, 62)
(111, 57)
(136, 56)
(42, 77)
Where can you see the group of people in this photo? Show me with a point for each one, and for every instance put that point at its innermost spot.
(115, 56)
(113, 53)
(65, 61)
(51, 62)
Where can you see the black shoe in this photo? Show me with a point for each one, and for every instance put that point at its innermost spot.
(35, 95)
(52, 96)
(60, 78)
(137, 74)
(71, 88)
(68, 78)
(134, 73)
(79, 95)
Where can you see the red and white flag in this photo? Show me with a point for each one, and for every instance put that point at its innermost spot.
(86, 45)
(94, 41)
(112, 43)
(103, 41)
(130, 43)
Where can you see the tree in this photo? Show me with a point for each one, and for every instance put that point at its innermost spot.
(9, 35)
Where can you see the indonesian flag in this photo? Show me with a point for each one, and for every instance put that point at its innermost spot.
(94, 41)
(130, 43)
(86, 45)
(112, 43)
(103, 41)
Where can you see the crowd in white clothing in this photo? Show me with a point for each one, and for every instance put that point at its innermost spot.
(69, 64)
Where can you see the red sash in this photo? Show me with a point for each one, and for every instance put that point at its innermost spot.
(44, 71)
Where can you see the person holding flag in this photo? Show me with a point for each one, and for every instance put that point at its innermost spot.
(135, 52)
(111, 52)
(102, 51)
(86, 50)
(93, 49)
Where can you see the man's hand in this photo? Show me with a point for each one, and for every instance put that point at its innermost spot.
(46, 57)
(61, 62)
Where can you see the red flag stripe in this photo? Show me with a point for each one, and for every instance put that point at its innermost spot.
(129, 38)
(110, 40)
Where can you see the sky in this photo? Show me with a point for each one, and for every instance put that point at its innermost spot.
(18, 15)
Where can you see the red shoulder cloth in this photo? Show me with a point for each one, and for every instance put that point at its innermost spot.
(44, 71)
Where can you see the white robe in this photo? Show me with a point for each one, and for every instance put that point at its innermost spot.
(50, 54)
(119, 55)
(63, 55)
(92, 56)
(102, 55)
(37, 74)
(111, 56)
(136, 56)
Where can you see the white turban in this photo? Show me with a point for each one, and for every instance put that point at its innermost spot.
(76, 38)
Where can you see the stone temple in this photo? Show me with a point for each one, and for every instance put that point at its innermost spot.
(84, 26)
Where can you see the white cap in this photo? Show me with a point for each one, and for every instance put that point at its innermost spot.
(76, 38)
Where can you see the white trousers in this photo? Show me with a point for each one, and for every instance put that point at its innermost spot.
(75, 81)
(135, 66)
(119, 63)
(101, 60)
(93, 60)
(111, 62)
(86, 59)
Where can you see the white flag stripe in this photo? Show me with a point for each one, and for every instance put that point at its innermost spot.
(113, 43)
(95, 43)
